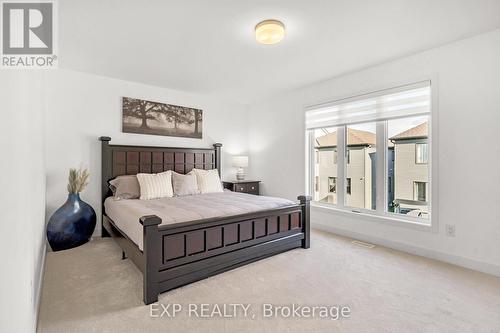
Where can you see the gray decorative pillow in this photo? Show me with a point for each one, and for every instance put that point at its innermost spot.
(184, 184)
(125, 187)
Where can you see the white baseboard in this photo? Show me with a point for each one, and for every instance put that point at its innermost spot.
(441, 256)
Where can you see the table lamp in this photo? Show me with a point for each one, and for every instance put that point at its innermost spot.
(240, 162)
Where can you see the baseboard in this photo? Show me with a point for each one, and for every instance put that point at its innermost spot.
(419, 251)
(39, 285)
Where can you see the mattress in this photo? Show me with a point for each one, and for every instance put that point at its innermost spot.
(126, 213)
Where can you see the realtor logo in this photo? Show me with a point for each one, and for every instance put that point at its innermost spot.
(28, 34)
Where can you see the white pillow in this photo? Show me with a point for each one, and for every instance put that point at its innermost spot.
(155, 185)
(208, 180)
(184, 184)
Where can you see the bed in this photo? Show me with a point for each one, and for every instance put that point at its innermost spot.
(176, 241)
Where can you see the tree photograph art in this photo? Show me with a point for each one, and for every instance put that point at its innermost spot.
(146, 117)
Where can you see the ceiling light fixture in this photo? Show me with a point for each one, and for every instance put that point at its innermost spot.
(269, 32)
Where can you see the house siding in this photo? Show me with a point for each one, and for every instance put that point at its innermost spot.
(359, 170)
(407, 171)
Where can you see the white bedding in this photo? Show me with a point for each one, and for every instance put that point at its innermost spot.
(126, 213)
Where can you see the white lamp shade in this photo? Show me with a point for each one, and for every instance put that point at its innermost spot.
(240, 161)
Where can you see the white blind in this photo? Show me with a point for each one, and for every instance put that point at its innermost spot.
(399, 102)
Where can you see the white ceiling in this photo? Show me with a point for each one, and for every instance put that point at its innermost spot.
(207, 46)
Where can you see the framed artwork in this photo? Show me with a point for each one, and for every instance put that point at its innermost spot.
(146, 117)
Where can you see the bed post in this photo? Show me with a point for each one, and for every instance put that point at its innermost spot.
(305, 203)
(217, 147)
(151, 248)
(107, 174)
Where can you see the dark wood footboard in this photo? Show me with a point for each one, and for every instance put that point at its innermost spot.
(175, 255)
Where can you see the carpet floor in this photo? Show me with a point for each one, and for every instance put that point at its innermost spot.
(90, 289)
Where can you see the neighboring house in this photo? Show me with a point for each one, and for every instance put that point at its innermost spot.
(407, 188)
(360, 180)
(411, 174)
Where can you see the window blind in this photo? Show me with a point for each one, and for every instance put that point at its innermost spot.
(408, 100)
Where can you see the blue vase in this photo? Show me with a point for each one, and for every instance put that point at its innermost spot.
(71, 225)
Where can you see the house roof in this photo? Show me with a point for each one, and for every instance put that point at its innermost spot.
(365, 138)
(417, 132)
(354, 138)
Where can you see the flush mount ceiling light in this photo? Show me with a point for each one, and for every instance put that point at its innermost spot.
(269, 32)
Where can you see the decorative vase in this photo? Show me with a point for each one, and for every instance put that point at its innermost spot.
(71, 225)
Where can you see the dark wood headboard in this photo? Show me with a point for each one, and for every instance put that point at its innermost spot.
(130, 160)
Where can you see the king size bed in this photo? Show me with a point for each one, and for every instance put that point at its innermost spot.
(178, 240)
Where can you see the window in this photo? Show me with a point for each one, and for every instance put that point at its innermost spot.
(361, 142)
(376, 149)
(408, 141)
(420, 191)
(332, 184)
(421, 153)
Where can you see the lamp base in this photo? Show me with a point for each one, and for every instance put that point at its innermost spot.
(240, 175)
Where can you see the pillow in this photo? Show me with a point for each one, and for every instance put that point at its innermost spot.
(208, 180)
(125, 187)
(155, 185)
(184, 184)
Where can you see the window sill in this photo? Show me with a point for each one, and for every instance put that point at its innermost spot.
(400, 222)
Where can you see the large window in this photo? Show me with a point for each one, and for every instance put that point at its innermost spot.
(374, 153)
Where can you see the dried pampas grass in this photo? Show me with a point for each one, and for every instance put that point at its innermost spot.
(78, 180)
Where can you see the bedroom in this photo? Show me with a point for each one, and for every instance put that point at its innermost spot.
(404, 185)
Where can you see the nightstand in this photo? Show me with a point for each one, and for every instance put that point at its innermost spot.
(243, 186)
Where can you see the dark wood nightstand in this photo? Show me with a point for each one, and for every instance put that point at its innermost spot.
(244, 186)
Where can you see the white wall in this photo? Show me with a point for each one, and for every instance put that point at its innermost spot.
(22, 213)
(468, 75)
(82, 107)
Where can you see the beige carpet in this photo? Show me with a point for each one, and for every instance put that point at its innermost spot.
(89, 289)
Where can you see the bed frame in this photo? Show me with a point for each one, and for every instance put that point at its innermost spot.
(181, 253)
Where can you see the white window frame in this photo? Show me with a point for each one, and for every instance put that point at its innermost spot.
(381, 214)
